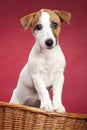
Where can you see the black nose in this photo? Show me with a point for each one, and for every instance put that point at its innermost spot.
(49, 42)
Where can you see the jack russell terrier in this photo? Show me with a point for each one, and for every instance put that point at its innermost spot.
(46, 63)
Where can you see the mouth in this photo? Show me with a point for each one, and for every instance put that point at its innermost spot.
(50, 47)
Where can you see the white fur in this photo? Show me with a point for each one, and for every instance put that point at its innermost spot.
(45, 68)
(46, 32)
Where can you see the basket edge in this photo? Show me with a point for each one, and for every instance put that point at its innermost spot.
(37, 110)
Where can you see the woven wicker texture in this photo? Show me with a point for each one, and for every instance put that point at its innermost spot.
(19, 117)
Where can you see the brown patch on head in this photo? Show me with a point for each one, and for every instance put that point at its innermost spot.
(55, 17)
(30, 20)
(58, 17)
(36, 19)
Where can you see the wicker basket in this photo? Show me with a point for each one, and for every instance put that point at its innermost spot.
(19, 117)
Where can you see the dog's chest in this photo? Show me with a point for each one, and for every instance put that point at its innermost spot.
(48, 70)
(47, 64)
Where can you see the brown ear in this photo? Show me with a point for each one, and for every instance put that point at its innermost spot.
(64, 16)
(26, 21)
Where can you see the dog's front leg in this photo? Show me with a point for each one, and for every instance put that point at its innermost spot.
(43, 93)
(57, 93)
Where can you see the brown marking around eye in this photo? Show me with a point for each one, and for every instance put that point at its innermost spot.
(36, 19)
(54, 18)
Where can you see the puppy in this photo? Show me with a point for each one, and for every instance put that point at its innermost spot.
(46, 62)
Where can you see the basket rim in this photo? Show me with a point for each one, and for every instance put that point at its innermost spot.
(37, 110)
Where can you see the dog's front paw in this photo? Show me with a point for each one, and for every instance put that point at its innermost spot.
(46, 106)
(59, 109)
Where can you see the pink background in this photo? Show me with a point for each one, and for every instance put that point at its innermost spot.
(15, 45)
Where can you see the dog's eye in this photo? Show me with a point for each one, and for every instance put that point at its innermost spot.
(38, 27)
(54, 25)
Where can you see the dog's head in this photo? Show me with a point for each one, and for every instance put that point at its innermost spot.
(46, 25)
